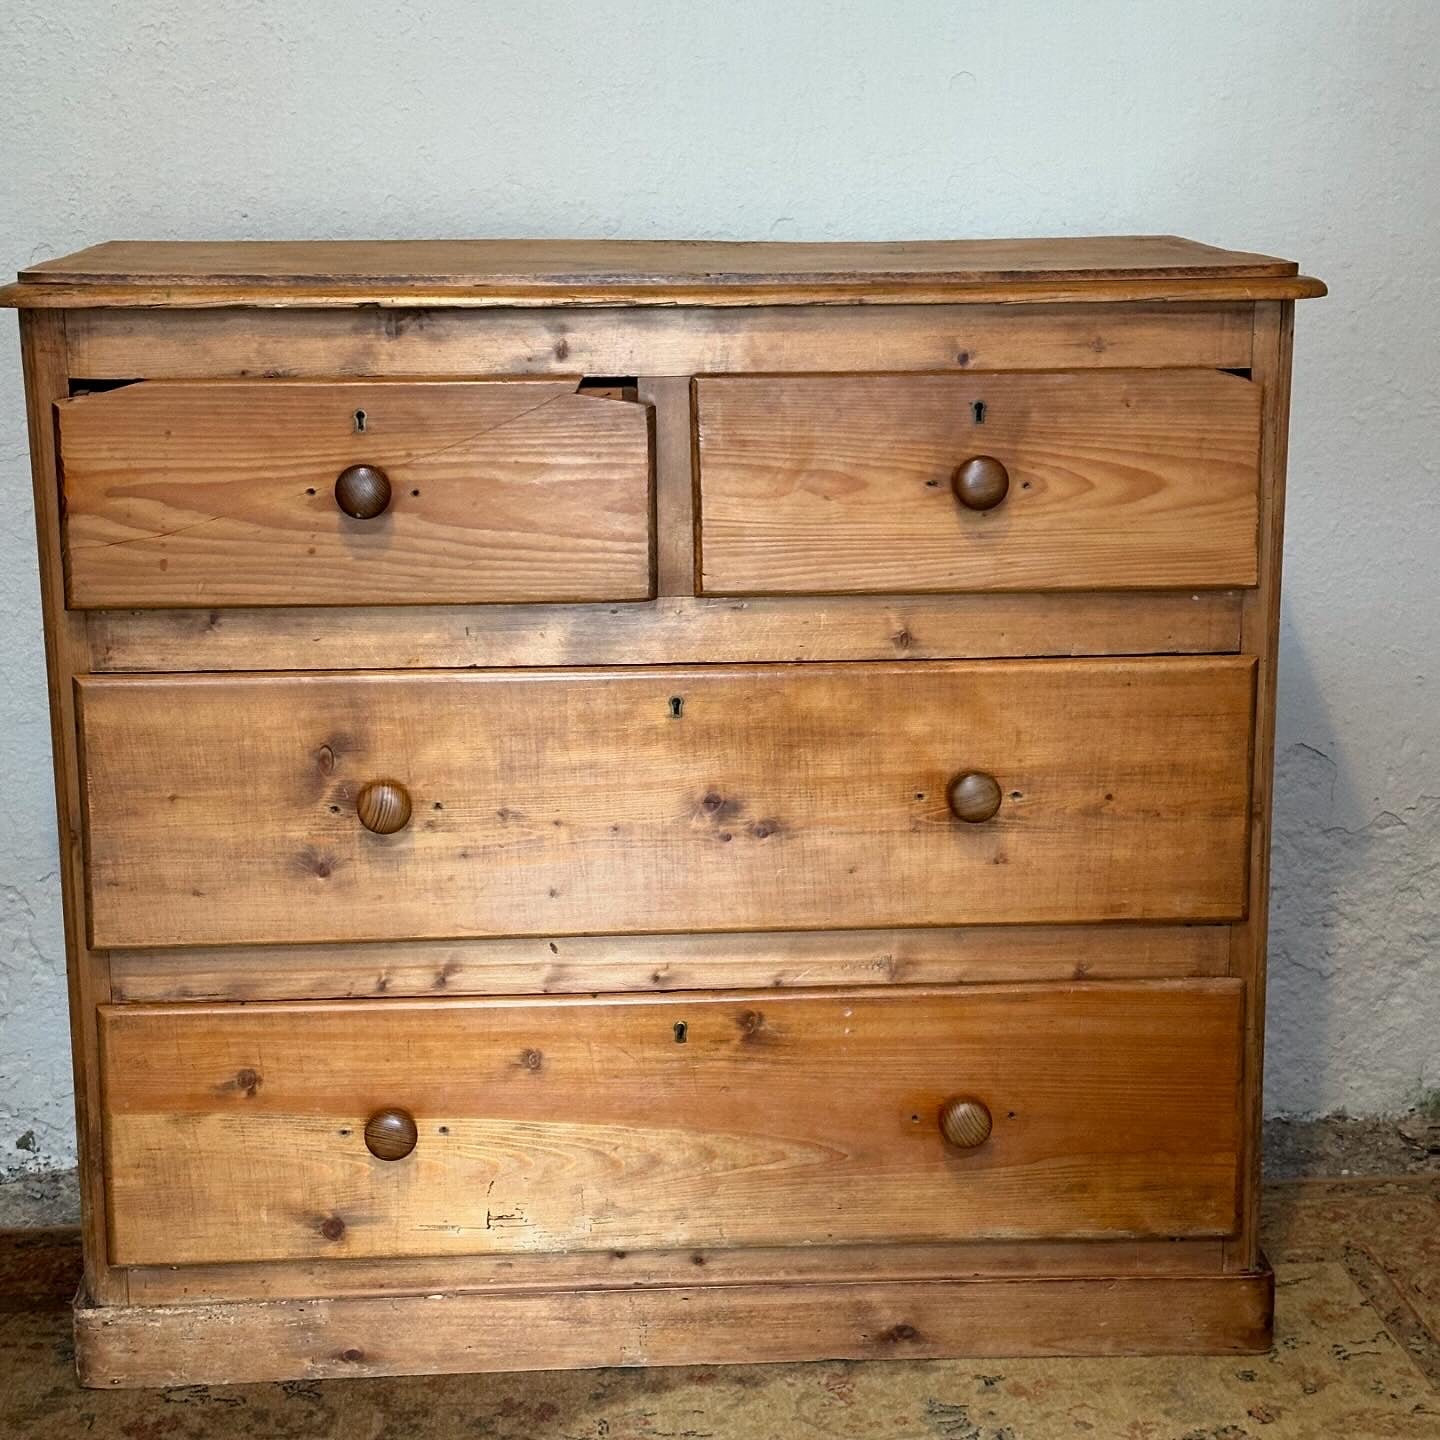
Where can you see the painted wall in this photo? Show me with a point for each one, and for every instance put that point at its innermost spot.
(1305, 129)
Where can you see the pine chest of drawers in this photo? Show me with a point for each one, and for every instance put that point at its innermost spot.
(635, 803)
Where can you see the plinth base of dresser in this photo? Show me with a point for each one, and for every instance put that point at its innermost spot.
(471, 1331)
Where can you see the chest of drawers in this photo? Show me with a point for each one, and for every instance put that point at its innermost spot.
(637, 803)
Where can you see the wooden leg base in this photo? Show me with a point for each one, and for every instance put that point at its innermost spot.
(671, 1325)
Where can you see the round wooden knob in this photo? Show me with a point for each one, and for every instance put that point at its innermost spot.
(965, 1122)
(362, 491)
(973, 796)
(981, 483)
(383, 806)
(391, 1134)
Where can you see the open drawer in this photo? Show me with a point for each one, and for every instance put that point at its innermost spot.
(300, 492)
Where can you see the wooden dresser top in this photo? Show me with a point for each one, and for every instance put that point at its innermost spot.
(654, 272)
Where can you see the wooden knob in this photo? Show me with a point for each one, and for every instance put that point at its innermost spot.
(973, 796)
(362, 491)
(965, 1122)
(383, 806)
(391, 1134)
(981, 483)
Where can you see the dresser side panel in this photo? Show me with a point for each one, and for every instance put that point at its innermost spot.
(1260, 637)
(67, 653)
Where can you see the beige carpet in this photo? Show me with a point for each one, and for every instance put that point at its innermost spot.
(1357, 1355)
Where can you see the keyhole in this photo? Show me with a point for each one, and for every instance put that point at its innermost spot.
(677, 706)
(977, 412)
(681, 1029)
(360, 422)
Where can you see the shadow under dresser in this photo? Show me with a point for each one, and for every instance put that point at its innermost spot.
(643, 803)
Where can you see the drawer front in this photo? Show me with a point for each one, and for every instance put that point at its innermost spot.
(1094, 480)
(230, 493)
(234, 809)
(240, 1133)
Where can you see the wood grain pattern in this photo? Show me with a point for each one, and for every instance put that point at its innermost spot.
(1274, 338)
(383, 806)
(973, 797)
(237, 1133)
(629, 272)
(311, 1340)
(67, 653)
(694, 1266)
(1118, 480)
(780, 797)
(965, 1122)
(363, 492)
(658, 341)
(588, 964)
(224, 494)
(771, 293)
(981, 483)
(391, 1134)
(622, 263)
(668, 632)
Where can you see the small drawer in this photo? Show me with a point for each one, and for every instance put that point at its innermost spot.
(399, 1128)
(1094, 480)
(228, 493)
(387, 806)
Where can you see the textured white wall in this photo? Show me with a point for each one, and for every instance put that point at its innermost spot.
(1302, 127)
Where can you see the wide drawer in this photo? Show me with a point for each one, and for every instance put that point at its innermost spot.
(246, 1133)
(1095, 480)
(198, 493)
(245, 809)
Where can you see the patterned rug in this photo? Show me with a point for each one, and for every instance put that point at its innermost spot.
(1357, 1356)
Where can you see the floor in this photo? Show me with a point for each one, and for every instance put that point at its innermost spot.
(1357, 1355)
